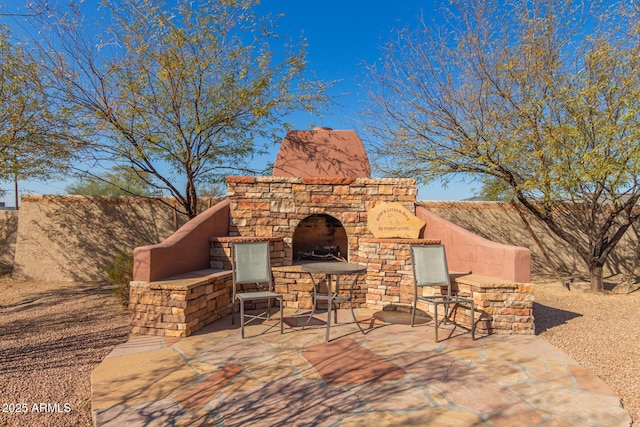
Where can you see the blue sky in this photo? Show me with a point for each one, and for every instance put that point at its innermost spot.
(341, 36)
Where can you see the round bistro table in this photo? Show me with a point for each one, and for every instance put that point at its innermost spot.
(333, 270)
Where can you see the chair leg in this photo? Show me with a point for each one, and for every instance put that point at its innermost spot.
(445, 320)
(281, 315)
(413, 311)
(233, 312)
(435, 319)
(473, 321)
(241, 318)
(314, 301)
(329, 306)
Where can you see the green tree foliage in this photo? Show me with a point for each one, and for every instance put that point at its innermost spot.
(179, 94)
(538, 100)
(35, 141)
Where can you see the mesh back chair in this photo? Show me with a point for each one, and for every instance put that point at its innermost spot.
(252, 281)
(430, 270)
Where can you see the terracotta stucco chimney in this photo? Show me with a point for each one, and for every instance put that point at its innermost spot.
(322, 152)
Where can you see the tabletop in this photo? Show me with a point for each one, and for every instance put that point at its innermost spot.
(333, 267)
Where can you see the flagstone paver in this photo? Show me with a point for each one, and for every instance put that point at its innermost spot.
(153, 414)
(140, 377)
(195, 397)
(393, 375)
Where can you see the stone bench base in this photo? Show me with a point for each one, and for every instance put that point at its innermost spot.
(502, 307)
(180, 305)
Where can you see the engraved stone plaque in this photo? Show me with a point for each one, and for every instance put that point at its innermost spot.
(392, 220)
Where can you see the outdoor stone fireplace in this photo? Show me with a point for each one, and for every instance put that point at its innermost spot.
(312, 214)
(321, 203)
(305, 215)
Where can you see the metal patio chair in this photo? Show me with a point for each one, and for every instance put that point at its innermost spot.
(430, 270)
(252, 281)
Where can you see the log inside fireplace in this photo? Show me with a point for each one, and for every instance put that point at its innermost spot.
(322, 253)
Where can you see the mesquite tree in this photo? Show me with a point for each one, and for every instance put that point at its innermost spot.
(35, 140)
(179, 94)
(540, 100)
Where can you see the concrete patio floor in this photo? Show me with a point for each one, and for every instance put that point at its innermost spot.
(395, 375)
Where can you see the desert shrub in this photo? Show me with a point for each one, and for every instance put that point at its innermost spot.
(120, 273)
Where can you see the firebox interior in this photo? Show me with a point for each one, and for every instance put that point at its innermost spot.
(320, 237)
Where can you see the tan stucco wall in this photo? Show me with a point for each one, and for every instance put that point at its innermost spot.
(74, 238)
(501, 223)
(68, 238)
(8, 235)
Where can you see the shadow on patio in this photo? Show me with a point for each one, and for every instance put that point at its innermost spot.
(392, 375)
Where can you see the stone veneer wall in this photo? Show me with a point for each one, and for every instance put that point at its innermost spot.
(502, 306)
(184, 304)
(181, 305)
(274, 206)
(220, 250)
(389, 271)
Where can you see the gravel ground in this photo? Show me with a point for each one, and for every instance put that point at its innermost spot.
(54, 334)
(600, 331)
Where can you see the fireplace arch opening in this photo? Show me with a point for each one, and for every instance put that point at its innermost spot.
(320, 237)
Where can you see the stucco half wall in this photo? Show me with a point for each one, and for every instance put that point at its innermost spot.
(469, 252)
(184, 251)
